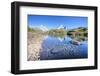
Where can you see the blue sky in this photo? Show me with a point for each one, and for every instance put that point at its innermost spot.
(52, 22)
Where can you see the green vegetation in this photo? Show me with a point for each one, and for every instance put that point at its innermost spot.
(30, 29)
(34, 30)
(79, 34)
(58, 33)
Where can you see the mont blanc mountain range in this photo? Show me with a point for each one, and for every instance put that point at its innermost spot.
(44, 28)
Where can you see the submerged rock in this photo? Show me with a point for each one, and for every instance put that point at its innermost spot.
(75, 42)
(65, 50)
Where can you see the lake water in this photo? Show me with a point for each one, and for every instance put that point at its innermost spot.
(54, 48)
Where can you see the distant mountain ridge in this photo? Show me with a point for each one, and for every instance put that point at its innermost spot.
(43, 28)
(62, 27)
(80, 28)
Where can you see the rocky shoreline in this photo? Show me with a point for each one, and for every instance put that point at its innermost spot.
(34, 46)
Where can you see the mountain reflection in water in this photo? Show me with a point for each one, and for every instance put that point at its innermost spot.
(63, 48)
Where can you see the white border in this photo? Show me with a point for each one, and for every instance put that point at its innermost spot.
(26, 65)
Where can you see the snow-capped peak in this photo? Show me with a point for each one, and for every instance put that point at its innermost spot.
(43, 28)
(61, 26)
